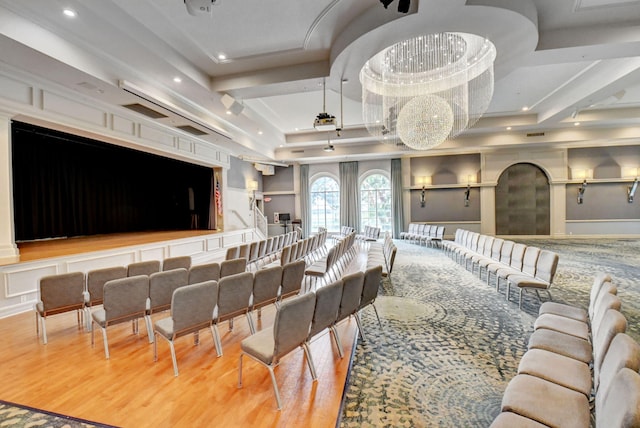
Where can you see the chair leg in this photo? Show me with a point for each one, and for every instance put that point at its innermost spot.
(275, 386)
(106, 342)
(336, 338)
(173, 357)
(43, 321)
(216, 340)
(360, 330)
(252, 327)
(147, 320)
(240, 370)
(155, 349)
(376, 311)
(520, 300)
(312, 367)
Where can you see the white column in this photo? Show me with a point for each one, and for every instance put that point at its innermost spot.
(488, 210)
(406, 194)
(558, 210)
(8, 250)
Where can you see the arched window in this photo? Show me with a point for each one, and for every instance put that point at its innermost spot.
(325, 204)
(375, 202)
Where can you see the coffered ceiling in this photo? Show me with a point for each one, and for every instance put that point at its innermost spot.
(559, 62)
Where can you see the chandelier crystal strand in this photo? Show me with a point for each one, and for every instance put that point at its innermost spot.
(413, 90)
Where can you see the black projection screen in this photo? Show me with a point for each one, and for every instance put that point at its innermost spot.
(65, 186)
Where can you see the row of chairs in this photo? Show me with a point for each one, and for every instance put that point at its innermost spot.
(344, 232)
(523, 266)
(383, 254)
(369, 234)
(328, 267)
(302, 318)
(421, 233)
(75, 291)
(238, 294)
(308, 249)
(230, 297)
(576, 357)
(262, 250)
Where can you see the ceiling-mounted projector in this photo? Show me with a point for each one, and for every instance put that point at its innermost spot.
(199, 7)
(325, 122)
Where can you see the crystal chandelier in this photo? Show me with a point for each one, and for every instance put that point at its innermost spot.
(422, 91)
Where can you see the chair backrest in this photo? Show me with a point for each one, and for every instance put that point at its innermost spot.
(496, 248)
(243, 251)
(623, 352)
(488, 244)
(612, 323)
(440, 232)
(605, 302)
(192, 307)
(481, 240)
(351, 293)
(530, 260)
(506, 251)
(292, 322)
(517, 256)
(598, 279)
(292, 276)
(162, 285)
(232, 253)
(205, 272)
(98, 277)
(285, 255)
(266, 284)
(390, 259)
(232, 267)
(475, 238)
(125, 298)
(547, 265)
(606, 288)
(620, 407)
(143, 268)
(327, 304)
(176, 263)
(234, 292)
(262, 248)
(370, 286)
(62, 292)
(253, 251)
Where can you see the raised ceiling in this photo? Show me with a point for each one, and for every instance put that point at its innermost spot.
(564, 61)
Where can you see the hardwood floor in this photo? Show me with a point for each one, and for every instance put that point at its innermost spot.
(68, 376)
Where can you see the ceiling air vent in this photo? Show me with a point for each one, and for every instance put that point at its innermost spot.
(191, 130)
(139, 108)
(297, 151)
(535, 134)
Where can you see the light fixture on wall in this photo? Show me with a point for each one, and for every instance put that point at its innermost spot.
(252, 186)
(631, 190)
(581, 190)
(425, 90)
(423, 180)
(467, 195)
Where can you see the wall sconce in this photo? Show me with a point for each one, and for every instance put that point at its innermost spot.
(581, 190)
(424, 181)
(252, 186)
(467, 193)
(631, 190)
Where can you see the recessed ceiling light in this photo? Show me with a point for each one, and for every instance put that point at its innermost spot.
(525, 108)
(508, 128)
(222, 57)
(177, 79)
(297, 129)
(259, 132)
(229, 112)
(70, 13)
(576, 123)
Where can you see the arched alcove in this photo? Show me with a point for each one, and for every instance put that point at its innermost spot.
(523, 201)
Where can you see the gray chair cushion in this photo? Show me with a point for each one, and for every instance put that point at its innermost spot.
(558, 369)
(563, 344)
(512, 420)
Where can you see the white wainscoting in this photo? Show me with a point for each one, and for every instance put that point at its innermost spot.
(19, 282)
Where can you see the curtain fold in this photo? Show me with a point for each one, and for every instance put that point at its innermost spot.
(349, 195)
(305, 213)
(397, 207)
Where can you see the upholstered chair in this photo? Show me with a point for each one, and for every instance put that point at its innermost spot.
(58, 294)
(143, 268)
(178, 262)
(205, 272)
(191, 311)
(290, 331)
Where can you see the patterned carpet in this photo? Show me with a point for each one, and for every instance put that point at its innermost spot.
(450, 343)
(15, 415)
